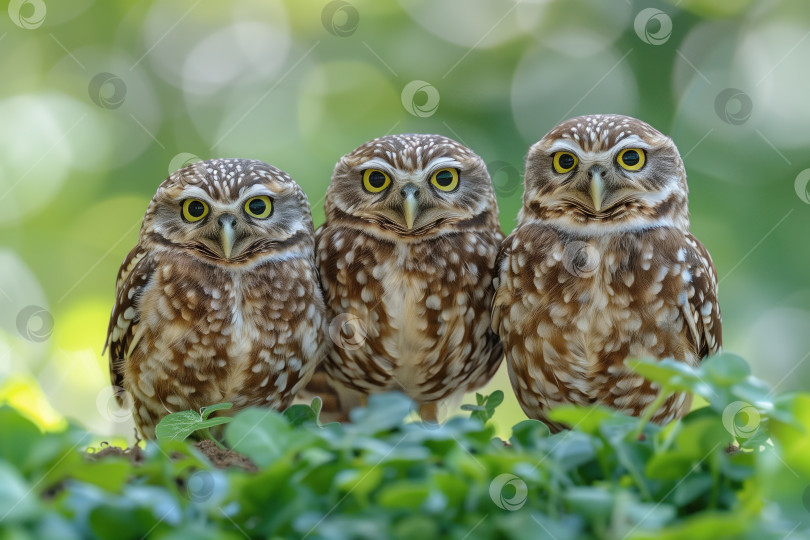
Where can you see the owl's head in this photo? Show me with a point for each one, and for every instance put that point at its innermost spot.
(229, 211)
(599, 174)
(411, 186)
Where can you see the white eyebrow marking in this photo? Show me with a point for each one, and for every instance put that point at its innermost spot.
(565, 145)
(194, 192)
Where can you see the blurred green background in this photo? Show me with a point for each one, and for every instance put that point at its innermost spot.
(100, 100)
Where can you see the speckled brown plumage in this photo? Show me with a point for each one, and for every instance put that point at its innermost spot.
(193, 326)
(410, 302)
(581, 289)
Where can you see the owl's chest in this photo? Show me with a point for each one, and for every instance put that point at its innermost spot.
(203, 320)
(403, 307)
(607, 300)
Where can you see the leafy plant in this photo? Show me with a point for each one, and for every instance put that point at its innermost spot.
(181, 425)
(737, 468)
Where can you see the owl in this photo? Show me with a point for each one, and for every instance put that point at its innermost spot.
(602, 267)
(406, 258)
(219, 301)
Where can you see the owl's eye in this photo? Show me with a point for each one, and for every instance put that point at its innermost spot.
(564, 162)
(194, 210)
(445, 179)
(631, 159)
(374, 180)
(259, 207)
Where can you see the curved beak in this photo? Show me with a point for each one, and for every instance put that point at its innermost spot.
(597, 188)
(227, 234)
(410, 204)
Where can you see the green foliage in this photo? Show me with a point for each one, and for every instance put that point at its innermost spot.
(181, 425)
(738, 468)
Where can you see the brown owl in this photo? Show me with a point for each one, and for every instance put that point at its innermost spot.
(219, 301)
(602, 267)
(406, 259)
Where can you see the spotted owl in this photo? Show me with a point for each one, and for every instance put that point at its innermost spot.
(406, 259)
(219, 301)
(602, 267)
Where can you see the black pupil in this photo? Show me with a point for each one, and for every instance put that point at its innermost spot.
(566, 161)
(376, 179)
(257, 206)
(444, 178)
(196, 208)
(630, 157)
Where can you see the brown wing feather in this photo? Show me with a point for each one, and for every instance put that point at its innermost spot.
(703, 307)
(135, 273)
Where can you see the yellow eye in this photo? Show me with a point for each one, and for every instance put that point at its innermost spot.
(564, 162)
(259, 207)
(194, 210)
(445, 179)
(631, 159)
(374, 180)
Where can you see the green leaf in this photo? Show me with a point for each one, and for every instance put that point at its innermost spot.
(205, 412)
(17, 500)
(405, 494)
(586, 419)
(692, 487)
(485, 407)
(671, 375)
(19, 436)
(265, 435)
(384, 412)
(180, 425)
(527, 433)
(725, 370)
(300, 414)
